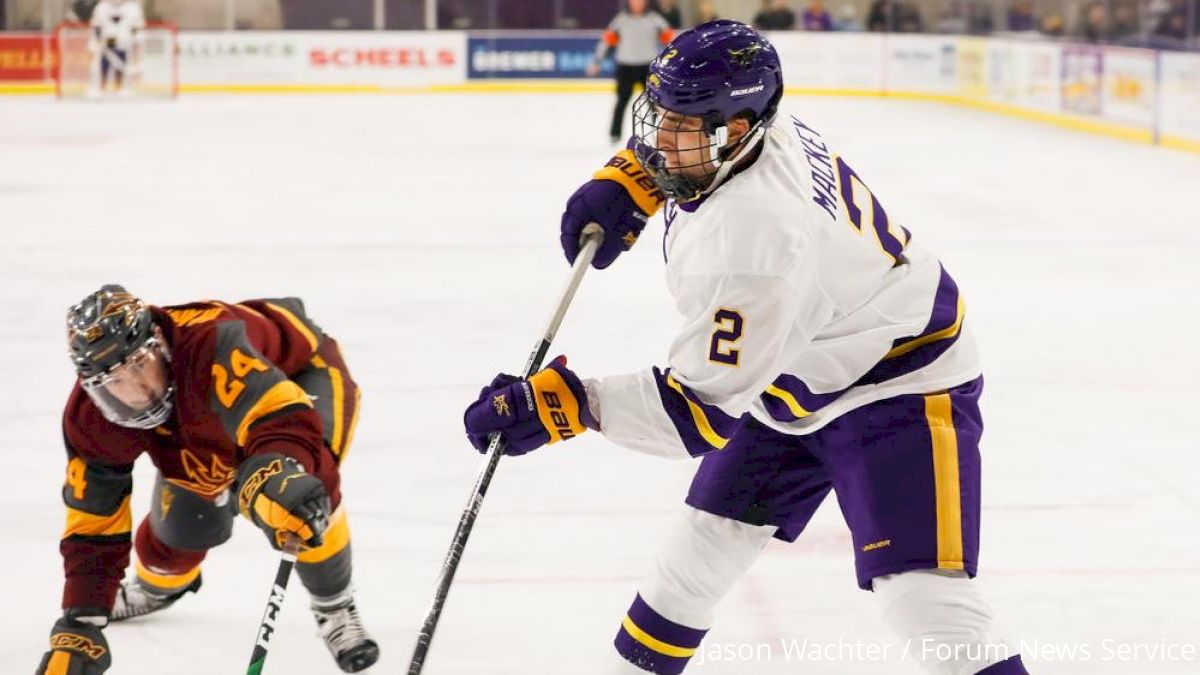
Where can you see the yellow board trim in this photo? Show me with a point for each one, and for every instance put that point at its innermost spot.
(948, 332)
(947, 488)
(789, 400)
(336, 538)
(297, 324)
(166, 581)
(280, 396)
(1072, 122)
(93, 525)
(699, 417)
(654, 643)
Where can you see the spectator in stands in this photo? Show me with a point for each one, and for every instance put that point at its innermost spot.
(1053, 25)
(705, 12)
(908, 18)
(848, 20)
(952, 18)
(1172, 26)
(1095, 22)
(1124, 22)
(979, 18)
(882, 16)
(636, 34)
(1020, 17)
(669, 9)
(815, 17)
(775, 15)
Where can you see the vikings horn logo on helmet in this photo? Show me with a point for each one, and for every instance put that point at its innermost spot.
(744, 57)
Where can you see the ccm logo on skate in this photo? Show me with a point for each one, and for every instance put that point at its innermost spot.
(77, 643)
(561, 423)
(274, 604)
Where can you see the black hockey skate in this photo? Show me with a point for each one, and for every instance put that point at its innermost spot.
(343, 632)
(136, 599)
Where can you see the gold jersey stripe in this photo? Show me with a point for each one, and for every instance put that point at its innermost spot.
(948, 332)
(699, 418)
(278, 397)
(297, 324)
(339, 408)
(789, 400)
(93, 525)
(940, 415)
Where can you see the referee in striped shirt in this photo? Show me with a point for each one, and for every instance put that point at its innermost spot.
(637, 34)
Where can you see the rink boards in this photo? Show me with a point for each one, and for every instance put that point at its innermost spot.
(1137, 94)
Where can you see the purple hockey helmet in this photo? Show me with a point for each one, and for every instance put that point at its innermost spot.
(716, 71)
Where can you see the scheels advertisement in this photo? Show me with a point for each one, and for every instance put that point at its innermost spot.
(392, 59)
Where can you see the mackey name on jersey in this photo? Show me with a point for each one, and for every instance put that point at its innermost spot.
(823, 176)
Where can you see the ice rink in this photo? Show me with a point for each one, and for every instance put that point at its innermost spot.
(422, 232)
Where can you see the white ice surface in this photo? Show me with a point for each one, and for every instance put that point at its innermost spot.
(422, 232)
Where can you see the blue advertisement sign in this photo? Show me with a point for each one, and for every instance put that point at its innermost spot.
(533, 57)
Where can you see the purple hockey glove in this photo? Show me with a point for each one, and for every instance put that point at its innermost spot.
(620, 198)
(549, 407)
(607, 204)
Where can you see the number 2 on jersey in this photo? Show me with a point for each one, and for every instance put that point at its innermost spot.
(229, 390)
(729, 331)
(867, 214)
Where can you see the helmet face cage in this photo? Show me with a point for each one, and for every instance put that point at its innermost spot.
(137, 392)
(682, 161)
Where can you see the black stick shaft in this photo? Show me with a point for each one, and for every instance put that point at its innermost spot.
(591, 241)
(266, 628)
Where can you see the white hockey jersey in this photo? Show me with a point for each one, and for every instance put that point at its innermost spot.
(118, 21)
(802, 300)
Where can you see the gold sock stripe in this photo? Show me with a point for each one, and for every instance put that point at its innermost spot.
(654, 643)
(166, 582)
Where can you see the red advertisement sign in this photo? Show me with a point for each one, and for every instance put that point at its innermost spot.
(25, 57)
(382, 57)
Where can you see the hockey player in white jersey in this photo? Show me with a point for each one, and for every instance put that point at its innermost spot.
(822, 350)
(116, 27)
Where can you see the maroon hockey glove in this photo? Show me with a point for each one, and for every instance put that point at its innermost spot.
(278, 496)
(76, 648)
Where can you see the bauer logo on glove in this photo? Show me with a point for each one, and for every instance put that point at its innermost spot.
(550, 406)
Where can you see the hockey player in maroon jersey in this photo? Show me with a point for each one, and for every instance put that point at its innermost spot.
(242, 408)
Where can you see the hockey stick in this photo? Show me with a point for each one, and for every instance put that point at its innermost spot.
(266, 629)
(592, 236)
